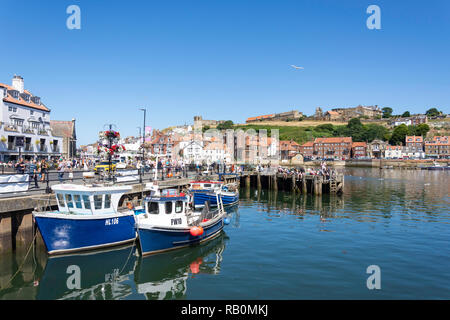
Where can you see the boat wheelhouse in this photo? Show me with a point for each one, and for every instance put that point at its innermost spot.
(169, 222)
(88, 217)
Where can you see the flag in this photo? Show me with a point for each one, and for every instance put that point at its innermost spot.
(148, 133)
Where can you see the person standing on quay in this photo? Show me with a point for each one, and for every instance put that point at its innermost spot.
(61, 168)
(44, 168)
(20, 166)
(33, 173)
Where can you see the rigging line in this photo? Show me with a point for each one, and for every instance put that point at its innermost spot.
(24, 259)
(129, 255)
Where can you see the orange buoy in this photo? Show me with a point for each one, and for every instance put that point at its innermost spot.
(130, 206)
(196, 231)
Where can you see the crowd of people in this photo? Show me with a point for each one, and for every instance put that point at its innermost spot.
(38, 169)
(300, 172)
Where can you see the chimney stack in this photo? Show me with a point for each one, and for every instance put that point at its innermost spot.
(17, 83)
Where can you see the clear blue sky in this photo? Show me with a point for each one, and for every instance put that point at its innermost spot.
(224, 59)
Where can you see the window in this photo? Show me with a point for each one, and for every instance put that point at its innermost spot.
(31, 112)
(168, 207)
(60, 200)
(153, 208)
(107, 201)
(86, 201)
(77, 200)
(69, 201)
(178, 206)
(98, 201)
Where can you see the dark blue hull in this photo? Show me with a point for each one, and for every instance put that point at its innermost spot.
(201, 197)
(154, 240)
(62, 233)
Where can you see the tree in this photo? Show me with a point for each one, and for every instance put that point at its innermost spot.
(387, 112)
(422, 129)
(433, 112)
(226, 125)
(399, 134)
(406, 114)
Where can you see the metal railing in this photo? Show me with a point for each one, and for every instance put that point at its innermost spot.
(41, 182)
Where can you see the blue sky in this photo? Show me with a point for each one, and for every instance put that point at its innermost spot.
(224, 59)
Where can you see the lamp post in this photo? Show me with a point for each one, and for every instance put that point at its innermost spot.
(143, 141)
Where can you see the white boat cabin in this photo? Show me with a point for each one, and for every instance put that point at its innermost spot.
(88, 199)
(206, 185)
(166, 208)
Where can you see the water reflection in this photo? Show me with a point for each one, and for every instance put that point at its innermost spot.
(164, 276)
(99, 275)
(370, 195)
(113, 274)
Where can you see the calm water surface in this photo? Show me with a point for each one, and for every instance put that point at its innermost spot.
(278, 246)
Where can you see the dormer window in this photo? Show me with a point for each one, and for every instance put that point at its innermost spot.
(25, 96)
(36, 100)
(14, 94)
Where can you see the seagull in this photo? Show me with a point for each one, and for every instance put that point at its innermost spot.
(296, 67)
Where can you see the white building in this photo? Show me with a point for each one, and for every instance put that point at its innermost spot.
(189, 151)
(25, 125)
(393, 152)
(401, 152)
(216, 152)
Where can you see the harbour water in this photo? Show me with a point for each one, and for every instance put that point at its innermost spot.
(277, 246)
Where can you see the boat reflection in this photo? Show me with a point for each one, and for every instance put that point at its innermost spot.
(164, 276)
(99, 275)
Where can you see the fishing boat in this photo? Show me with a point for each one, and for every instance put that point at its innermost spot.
(170, 222)
(206, 191)
(88, 217)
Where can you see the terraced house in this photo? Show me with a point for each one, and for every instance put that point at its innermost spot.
(438, 147)
(338, 148)
(25, 125)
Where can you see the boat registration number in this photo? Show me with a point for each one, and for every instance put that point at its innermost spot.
(109, 222)
(175, 221)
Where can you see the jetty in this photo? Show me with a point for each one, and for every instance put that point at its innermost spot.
(304, 184)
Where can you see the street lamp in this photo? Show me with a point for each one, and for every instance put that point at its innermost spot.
(143, 141)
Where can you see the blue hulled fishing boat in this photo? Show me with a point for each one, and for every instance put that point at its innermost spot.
(169, 222)
(204, 191)
(87, 218)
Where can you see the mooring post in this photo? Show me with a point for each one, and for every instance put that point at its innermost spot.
(304, 190)
(293, 183)
(275, 182)
(319, 185)
(247, 181)
(316, 186)
(258, 180)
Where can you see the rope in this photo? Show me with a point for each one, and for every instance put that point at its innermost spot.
(129, 255)
(23, 262)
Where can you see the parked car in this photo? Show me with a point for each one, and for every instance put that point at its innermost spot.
(104, 166)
